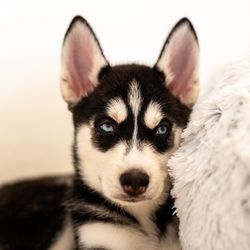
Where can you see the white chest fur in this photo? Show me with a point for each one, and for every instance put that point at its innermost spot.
(120, 237)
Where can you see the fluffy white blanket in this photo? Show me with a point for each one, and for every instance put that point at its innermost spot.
(211, 169)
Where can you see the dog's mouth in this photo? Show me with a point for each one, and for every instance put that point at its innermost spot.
(132, 199)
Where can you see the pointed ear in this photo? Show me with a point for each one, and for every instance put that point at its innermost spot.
(179, 61)
(81, 61)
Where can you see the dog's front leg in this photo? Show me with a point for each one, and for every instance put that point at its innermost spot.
(107, 236)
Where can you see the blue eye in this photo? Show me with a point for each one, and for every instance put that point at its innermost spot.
(162, 130)
(107, 127)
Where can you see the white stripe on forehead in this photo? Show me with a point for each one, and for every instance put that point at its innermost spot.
(134, 97)
(135, 101)
(153, 115)
(117, 110)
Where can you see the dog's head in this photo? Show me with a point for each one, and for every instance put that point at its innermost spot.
(128, 118)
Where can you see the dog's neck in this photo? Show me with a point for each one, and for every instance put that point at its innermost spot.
(148, 215)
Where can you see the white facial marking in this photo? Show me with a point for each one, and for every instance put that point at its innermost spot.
(102, 170)
(117, 110)
(135, 97)
(152, 163)
(153, 115)
(135, 100)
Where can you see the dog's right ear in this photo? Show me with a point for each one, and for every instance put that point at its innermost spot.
(81, 61)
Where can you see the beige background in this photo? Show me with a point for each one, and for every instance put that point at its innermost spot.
(35, 127)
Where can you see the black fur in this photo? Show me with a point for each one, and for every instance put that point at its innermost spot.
(32, 213)
(164, 216)
(83, 195)
(115, 82)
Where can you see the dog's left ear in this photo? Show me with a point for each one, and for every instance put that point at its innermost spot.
(179, 61)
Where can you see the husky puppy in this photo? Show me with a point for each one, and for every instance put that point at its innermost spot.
(127, 122)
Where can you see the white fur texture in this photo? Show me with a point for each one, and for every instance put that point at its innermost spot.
(102, 170)
(211, 169)
(117, 110)
(135, 99)
(112, 236)
(153, 115)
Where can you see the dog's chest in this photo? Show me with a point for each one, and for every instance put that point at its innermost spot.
(120, 237)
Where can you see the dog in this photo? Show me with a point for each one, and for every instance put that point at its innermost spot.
(127, 123)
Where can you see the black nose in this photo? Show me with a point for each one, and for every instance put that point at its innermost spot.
(134, 182)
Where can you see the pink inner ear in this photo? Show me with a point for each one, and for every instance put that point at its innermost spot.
(180, 61)
(82, 59)
(80, 63)
(183, 63)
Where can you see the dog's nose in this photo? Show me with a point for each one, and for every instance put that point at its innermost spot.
(134, 182)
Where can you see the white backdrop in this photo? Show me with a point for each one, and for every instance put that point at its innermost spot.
(35, 127)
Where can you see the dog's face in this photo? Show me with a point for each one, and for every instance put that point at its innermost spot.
(128, 118)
